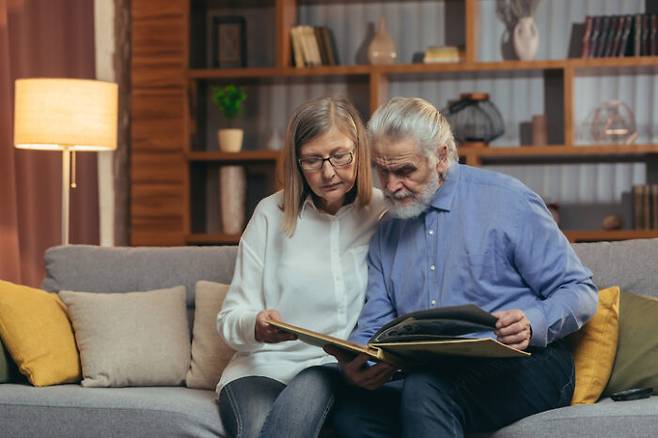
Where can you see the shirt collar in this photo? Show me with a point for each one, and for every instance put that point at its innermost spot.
(445, 195)
(308, 203)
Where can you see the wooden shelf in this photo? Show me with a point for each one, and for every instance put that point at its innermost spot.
(243, 156)
(170, 100)
(212, 239)
(591, 153)
(603, 235)
(346, 70)
(277, 72)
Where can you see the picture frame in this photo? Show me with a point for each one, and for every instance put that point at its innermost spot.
(228, 42)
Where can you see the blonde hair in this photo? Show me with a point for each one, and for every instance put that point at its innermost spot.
(413, 118)
(310, 120)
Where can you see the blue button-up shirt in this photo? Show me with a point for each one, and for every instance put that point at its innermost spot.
(488, 240)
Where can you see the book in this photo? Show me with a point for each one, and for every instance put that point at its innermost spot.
(441, 54)
(416, 338)
(585, 52)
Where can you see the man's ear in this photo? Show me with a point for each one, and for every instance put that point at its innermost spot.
(442, 162)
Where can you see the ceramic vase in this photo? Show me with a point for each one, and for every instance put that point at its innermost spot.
(382, 48)
(230, 140)
(232, 192)
(526, 38)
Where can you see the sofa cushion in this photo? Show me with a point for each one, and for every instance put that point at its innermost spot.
(594, 347)
(36, 331)
(74, 411)
(607, 418)
(131, 339)
(102, 269)
(636, 364)
(210, 354)
(629, 264)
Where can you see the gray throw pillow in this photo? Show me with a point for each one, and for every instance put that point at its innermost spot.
(132, 338)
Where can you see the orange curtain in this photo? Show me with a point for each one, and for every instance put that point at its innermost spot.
(41, 38)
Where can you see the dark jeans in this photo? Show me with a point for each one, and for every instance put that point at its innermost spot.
(459, 396)
(259, 406)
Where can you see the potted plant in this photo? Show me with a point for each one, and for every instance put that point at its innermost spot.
(228, 100)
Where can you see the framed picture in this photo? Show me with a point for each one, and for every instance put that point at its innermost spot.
(229, 41)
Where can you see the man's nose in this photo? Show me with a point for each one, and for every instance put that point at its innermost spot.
(392, 183)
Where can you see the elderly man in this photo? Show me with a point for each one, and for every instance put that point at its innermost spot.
(461, 235)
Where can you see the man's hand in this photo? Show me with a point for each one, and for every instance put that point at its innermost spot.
(357, 371)
(268, 333)
(513, 328)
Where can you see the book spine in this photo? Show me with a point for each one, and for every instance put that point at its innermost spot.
(653, 44)
(637, 35)
(646, 31)
(638, 222)
(625, 46)
(618, 30)
(594, 36)
(654, 206)
(586, 37)
(646, 208)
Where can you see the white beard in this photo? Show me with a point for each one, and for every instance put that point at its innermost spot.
(418, 205)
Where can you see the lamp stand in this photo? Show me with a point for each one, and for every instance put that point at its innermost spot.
(66, 178)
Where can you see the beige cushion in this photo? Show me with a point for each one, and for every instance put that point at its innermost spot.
(131, 339)
(210, 354)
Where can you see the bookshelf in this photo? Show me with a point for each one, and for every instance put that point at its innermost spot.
(175, 161)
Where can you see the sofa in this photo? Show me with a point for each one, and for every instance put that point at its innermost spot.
(71, 410)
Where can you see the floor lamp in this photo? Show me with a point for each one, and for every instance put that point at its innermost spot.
(67, 115)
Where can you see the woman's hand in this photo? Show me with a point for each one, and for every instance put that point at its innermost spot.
(267, 333)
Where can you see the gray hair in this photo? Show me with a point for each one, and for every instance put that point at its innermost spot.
(413, 118)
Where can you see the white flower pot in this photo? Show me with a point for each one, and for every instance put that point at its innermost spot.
(230, 140)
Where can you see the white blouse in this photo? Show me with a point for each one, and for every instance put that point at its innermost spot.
(315, 279)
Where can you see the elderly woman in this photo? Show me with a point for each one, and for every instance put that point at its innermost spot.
(302, 258)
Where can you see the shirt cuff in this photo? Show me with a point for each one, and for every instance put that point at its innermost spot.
(538, 325)
(247, 326)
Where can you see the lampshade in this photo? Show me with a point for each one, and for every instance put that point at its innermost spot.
(53, 114)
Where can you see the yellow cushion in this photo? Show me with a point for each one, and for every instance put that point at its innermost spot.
(37, 333)
(594, 347)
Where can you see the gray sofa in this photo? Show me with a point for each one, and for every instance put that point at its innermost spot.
(71, 411)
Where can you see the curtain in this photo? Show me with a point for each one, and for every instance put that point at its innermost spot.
(41, 38)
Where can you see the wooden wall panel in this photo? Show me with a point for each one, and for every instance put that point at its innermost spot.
(158, 63)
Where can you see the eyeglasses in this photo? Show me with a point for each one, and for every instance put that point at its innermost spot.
(339, 159)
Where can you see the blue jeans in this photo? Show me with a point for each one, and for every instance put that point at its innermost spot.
(459, 396)
(259, 406)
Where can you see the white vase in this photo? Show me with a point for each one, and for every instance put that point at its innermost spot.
(232, 192)
(526, 39)
(382, 48)
(230, 140)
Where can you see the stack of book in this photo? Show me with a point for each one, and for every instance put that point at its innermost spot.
(620, 35)
(645, 206)
(441, 54)
(313, 46)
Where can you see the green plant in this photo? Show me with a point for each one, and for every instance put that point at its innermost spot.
(229, 100)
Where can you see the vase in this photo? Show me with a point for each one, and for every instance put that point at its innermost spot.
(382, 48)
(232, 197)
(230, 140)
(526, 38)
